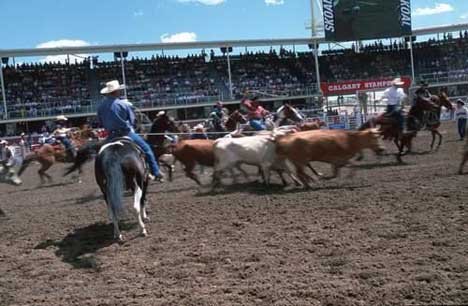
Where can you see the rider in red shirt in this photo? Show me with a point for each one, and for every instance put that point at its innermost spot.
(256, 113)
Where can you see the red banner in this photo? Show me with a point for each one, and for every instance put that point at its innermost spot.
(350, 87)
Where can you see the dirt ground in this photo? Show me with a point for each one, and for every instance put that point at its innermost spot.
(392, 235)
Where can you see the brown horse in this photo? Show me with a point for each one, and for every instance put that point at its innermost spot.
(421, 114)
(47, 155)
(288, 115)
(234, 119)
(424, 114)
(158, 140)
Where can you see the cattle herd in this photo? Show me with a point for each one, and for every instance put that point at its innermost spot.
(393, 234)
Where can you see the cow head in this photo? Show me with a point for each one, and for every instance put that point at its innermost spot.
(373, 141)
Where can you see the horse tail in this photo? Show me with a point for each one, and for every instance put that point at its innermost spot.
(114, 177)
(83, 155)
(26, 161)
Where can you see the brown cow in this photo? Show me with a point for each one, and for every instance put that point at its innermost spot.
(194, 152)
(336, 147)
(191, 152)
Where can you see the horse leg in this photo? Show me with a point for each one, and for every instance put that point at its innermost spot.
(433, 133)
(143, 201)
(170, 170)
(115, 222)
(80, 171)
(399, 144)
(138, 196)
(440, 139)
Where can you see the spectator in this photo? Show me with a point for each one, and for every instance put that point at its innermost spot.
(461, 115)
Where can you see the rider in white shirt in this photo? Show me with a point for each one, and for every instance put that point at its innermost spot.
(394, 97)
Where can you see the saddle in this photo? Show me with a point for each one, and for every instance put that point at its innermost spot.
(129, 141)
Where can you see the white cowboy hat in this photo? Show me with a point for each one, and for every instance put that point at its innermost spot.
(111, 87)
(3, 141)
(199, 127)
(397, 82)
(161, 113)
(61, 118)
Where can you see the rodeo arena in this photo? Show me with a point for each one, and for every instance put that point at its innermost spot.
(246, 173)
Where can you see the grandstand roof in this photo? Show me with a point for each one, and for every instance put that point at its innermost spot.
(199, 45)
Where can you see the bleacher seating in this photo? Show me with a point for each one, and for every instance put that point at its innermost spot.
(47, 89)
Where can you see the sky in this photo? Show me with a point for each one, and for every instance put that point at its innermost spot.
(54, 23)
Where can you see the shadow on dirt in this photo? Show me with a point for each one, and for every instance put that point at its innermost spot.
(79, 248)
(89, 198)
(258, 188)
(380, 165)
(421, 152)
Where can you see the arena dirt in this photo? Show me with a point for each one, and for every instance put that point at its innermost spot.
(392, 235)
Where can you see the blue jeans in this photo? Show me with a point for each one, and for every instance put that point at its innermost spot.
(66, 142)
(462, 127)
(395, 110)
(153, 164)
(257, 124)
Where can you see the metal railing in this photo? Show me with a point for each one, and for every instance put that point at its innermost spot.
(88, 106)
(455, 76)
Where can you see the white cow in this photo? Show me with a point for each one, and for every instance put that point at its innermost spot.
(258, 150)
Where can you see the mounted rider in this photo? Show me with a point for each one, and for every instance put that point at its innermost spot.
(162, 115)
(394, 97)
(199, 132)
(61, 133)
(5, 152)
(255, 113)
(9, 160)
(118, 118)
(217, 116)
(423, 93)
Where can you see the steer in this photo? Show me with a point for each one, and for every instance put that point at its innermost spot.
(192, 152)
(259, 150)
(336, 147)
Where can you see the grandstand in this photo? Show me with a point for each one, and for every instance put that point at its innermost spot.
(188, 86)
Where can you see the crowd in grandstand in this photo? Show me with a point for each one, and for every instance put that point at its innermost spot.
(42, 89)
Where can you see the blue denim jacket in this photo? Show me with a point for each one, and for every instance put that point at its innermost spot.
(116, 116)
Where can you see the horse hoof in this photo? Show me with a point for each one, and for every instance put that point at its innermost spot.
(144, 233)
(120, 238)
